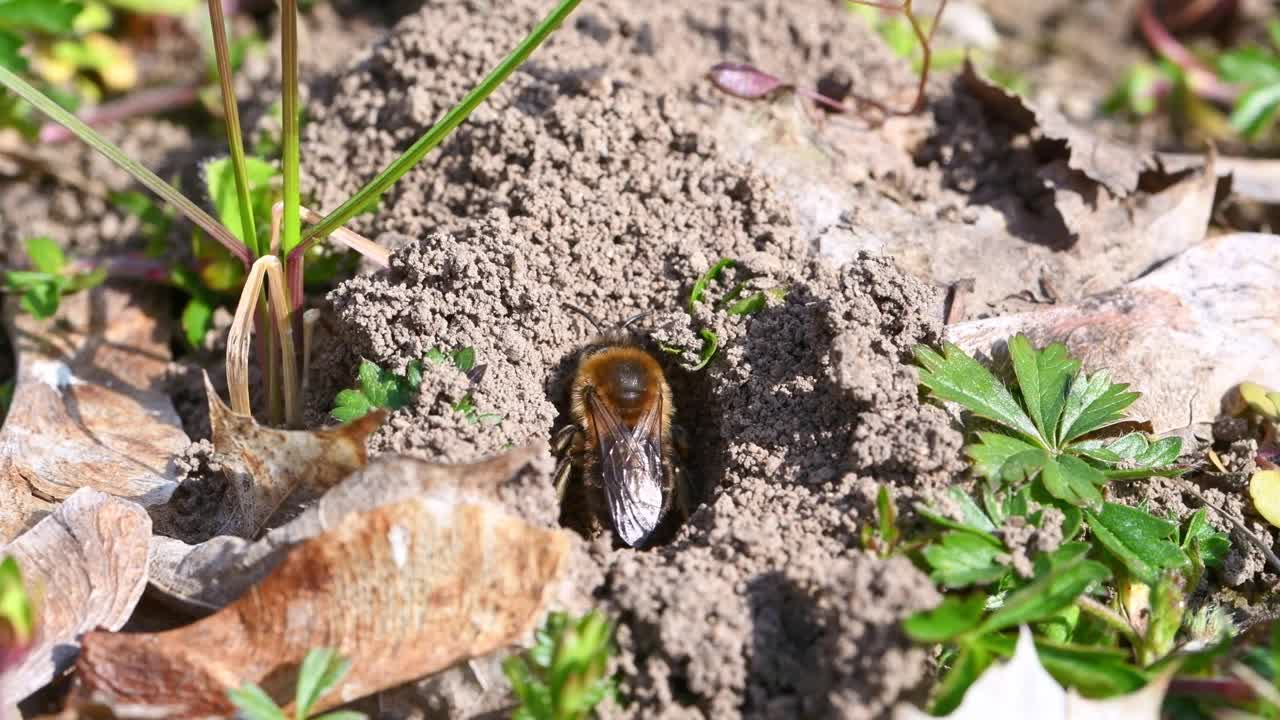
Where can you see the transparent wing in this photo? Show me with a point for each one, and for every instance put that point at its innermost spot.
(631, 466)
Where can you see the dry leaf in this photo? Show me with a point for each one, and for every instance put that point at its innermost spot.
(207, 576)
(1022, 688)
(88, 407)
(1183, 335)
(404, 589)
(270, 473)
(86, 565)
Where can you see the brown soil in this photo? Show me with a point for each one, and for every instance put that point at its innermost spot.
(590, 180)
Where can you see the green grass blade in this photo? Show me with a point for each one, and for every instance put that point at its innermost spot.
(149, 179)
(226, 79)
(440, 130)
(291, 228)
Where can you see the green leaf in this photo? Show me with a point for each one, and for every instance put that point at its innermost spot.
(887, 515)
(963, 559)
(1024, 466)
(342, 715)
(1213, 543)
(157, 7)
(956, 616)
(1255, 111)
(1091, 670)
(41, 300)
(54, 17)
(85, 280)
(350, 405)
(710, 341)
(965, 669)
(45, 255)
(1073, 480)
(11, 52)
(1043, 377)
(958, 378)
(197, 318)
(1092, 404)
(1046, 595)
(1249, 66)
(255, 704)
(993, 451)
(1164, 451)
(220, 182)
(464, 359)
(321, 670)
(971, 516)
(1142, 542)
(376, 384)
(704, 280)
(938, 518)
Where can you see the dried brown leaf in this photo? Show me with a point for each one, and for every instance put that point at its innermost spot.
(88, 409)
(404, 589)
(272, 473)
(1183, 335)
(86, 564)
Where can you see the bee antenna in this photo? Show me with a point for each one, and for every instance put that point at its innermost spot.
(590, 318)
(627, 323)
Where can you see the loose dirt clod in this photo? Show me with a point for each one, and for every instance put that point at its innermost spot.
(576, 187)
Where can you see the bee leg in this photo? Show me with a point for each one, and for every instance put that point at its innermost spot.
(683, 501)
(563, 471)
(563, 439)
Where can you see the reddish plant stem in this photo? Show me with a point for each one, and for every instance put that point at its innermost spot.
(1201, 79)
(926, 45)
(143, 102)
(1226, 688)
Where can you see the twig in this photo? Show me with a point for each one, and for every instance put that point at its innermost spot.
(143, 102)
(925, 40)
(1201, 78)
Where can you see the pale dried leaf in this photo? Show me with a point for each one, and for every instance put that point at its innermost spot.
(89, 408)
(272, 473)
(402, 590)
(207, 576)
(1183, 335)
(86, 564)
(1022, 688)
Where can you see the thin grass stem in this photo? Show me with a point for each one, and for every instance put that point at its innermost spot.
(150, 180)
(231, 111)
(291, 160)
(267, 268)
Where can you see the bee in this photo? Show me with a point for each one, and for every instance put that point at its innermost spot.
(622, 440)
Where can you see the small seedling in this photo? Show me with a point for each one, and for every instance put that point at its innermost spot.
(732, 303)
(564, 676)
(380, 388)
(42, 288)
(882, 536)
(321, 671)
(1055, 435)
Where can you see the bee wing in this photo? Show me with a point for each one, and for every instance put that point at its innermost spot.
(631, 465)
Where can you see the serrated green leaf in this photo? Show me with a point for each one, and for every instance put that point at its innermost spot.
(197, 318)
(1046, 595)
(1164, 451)
(1073, 480)
(255, 704)
(958, 378)
(954, 617)
(1043, 378)
(321, 670)
(374, 384)
(41, 300)
(1143, 543)
(938, 518)
(971, 516)
(1255, 110)
(993, 451)
(1092, 404)
(350, 405)
(1248, 66)
(962, 559)
(45, 255)
(1213, 543)
(1023, 466)
(54, 17)
(1095, 671)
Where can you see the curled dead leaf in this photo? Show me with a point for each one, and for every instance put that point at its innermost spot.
(271, 474)
(416, 567)
(86, 563)
(1183, 335)
(88, 408)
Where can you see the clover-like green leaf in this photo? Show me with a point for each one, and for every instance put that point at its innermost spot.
(1043, 378)
(1143, 543)
(958, 378)
(962, 559)
(1092, 404)
(1069, 478)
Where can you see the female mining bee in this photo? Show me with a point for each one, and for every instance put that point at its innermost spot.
(621, 437)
